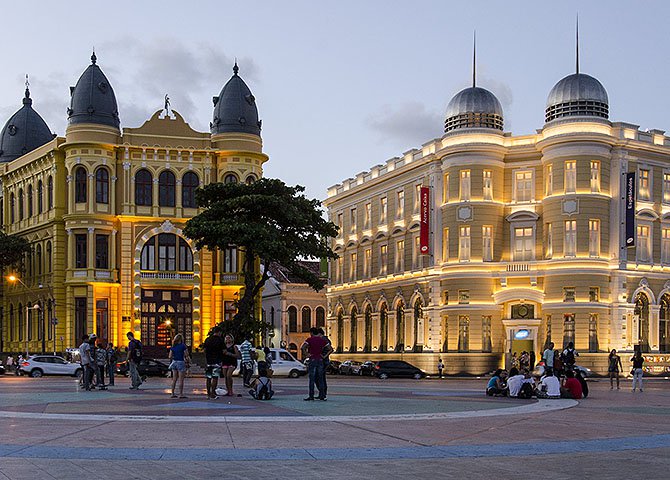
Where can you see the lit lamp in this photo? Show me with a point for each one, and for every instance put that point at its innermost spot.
(14, 279)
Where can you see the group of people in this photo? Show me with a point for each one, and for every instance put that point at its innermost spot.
(98, 359)
(614, 369)
(524, 361)
(521, 384)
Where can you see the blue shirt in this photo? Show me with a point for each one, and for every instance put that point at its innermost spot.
(492, 382)
(178, 352)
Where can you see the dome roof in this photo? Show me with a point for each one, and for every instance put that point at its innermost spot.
(577, 94)
(474, 107)
(93, 99)
(235, 108)
(23, 132)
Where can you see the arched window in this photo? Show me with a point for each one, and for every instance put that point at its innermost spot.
(463, 333)
(80, 178)
(40, 196)
(21, 212)
(189, 183)
(50, 193)
(143, 190)
(230, 178)
(166, 189)
(250, 179)
(164, 253)
(568, 329)
(367, 347)
(400, 327)
(418, 314)
(30, 201)
(642, 311)
(102, 185)
(306, 319)
(12, 208)
(38, 258)
(353, 344)
(340, 331)
(664, 325)
(49, 266)
(292, 319)
(383, 327)
(320, 317)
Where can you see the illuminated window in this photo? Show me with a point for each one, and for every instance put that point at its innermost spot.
(488, 185)
(400, 206)
(416, 253)
(487, 243)
(368, 215)
(524, 244)
(383, 259)
(340, 270)
(340, 222)
(665, 246)
(594, 238)
(383, 205)
(643, 185)
(399, 256)
(464, 297)
(570, 176)
(463, 333)
(570, 247)
(464, 244)
(568, 294)
(367, 262)
(353, 264)
(595, 176)
(445, 189)
(486, 333)
(417, 197)
(549, 242)
(643, 243)
(445, 245)
(594, 294)
(523, 186)
(352, 220)
(666, 187)
(549, 180)
(465, 186)
(568, 328)
(593, 333)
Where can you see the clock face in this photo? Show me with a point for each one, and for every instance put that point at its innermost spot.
(523, 311)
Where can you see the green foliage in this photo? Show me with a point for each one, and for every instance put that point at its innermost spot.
(12, 250)
(268, 221)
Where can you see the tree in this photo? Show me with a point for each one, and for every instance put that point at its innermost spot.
(12, 250)
(268, 221)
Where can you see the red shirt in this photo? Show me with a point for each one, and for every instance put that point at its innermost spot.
(316, 346)
(574, 387)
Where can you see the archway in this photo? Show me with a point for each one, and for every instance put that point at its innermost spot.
(400, 327)
(368, 329)
(664, 325)
(641, 336)
(340, 331)
(384, 328)
(418, 315)
(353, 345)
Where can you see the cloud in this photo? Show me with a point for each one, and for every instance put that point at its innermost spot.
(409, 123)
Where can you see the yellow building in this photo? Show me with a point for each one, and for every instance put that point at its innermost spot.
(103, 210)
(527, 240)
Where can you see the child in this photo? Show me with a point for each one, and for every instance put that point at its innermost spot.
(262, 386)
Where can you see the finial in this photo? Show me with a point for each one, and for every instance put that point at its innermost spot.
(577, 46)
(235, 67)
(27, 87)
(93, 57)
(474, 58)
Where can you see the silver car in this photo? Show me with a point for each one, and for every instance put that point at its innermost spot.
(40, 365)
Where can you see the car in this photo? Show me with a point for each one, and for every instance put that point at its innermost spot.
(148, 367)
(397, 369)
(350, 367)
(333, 367)
(39, 365)
(2, 370)
(367, 368)
(283, 364)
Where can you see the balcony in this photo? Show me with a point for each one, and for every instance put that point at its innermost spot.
(228, 278)
(166, 276)
(518, 267)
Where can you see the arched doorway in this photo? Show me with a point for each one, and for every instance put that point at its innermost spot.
(353, 345)
(400, 327)
(164, 314)
(641, 337)
(368, 329)
(418, 315)
(664, 325)
(383, 328)
(340, 331)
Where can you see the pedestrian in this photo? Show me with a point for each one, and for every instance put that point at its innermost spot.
(261, 388)
(9, 363)
(112, 358)
(213, 357)
(261, 359)
(327, 350)
(638, 361)
(558, 363)
(515, 360)
(230, 356)
(86, 362)
(247, 365)
(440, 367)
(532, 360)
(17, 372)
(568, 357)
(548, 357)
(133, 359)
(179, 360)
(100, 355)
(614, 367)
(268, 360)
(314, 347)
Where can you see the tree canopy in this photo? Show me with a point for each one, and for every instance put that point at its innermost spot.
(268, 221)
(12, 250)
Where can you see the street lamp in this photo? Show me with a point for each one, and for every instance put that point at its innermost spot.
(14, 279)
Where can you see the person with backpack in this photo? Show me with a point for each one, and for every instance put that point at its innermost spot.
(112, 358)
(261, 388)
(133, 360)
(568, 356)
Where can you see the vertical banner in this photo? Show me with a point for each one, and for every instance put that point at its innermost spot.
(630, 209)
(425, 221)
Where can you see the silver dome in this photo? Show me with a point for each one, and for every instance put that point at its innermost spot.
(577, 94)
(474, 107)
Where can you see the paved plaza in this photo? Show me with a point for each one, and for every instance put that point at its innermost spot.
(367, 429)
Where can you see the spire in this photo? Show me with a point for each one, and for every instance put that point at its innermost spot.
(474, 58)
(93, 57)
(577, 46)
(235, 67)
(27, 100)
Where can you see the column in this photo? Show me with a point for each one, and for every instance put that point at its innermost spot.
(90, 254)
(654, 313)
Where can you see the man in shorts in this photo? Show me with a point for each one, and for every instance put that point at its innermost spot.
(214, 346)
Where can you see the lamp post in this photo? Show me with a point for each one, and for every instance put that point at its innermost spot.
(14, 279)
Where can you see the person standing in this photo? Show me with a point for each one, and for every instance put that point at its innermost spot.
(133, 360)
(86, 362)
(327, 350)
(247, 365)
(614, 367)
(313, 348)
(178, 360)
(18, 364)
(440, 367)
(112, 358)
(229, 362)
(569, 357)
(9, 363)
(548, 357)
(213, 356)
(100, 355)
(638, 361)
(532, 360)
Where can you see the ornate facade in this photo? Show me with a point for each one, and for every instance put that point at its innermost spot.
(103, 210)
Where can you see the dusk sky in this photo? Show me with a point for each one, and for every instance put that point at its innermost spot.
(340, 86)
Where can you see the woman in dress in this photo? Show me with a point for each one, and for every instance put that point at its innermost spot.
(230, 355)
(614, 367)
(179, 363)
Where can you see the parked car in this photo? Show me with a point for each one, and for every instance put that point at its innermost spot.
(283, 364)
(40, 365)
(397, 368)
(350, 367)
(148, 367)
(2, 369)
(367, 368)
(333, 367)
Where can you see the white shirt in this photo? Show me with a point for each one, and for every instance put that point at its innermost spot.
(553, 386)
(514, 384)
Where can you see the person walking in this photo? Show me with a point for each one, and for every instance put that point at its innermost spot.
(86, 362)
(614, 367)
(229, 362)
(112, 358)
(313, 348)
(247, 365)
(213, 357)
(440, 367)
(638, 361)
(548, 357)
(133, 359)
(179, 359)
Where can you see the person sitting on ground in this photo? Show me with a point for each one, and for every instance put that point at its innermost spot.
(585, 386)
(550, 386)
(261, 387)
(496, 386)
(520, 384)
(571, 387)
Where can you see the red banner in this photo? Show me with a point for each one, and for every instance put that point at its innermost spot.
(425, 221)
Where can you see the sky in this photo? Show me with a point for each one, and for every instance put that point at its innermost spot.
(340, 86)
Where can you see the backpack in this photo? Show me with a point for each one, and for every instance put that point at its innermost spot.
(136, 355)
(264, 391)
(569, 357)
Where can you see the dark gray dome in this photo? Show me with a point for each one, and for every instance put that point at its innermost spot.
(577, 94)
(23, 132)
(93, 99)
(474, 107)
(235, 108)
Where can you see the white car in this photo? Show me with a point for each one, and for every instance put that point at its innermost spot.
(283, 364)
(40, 365)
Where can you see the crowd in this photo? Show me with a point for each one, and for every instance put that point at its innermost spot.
(98, 359)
